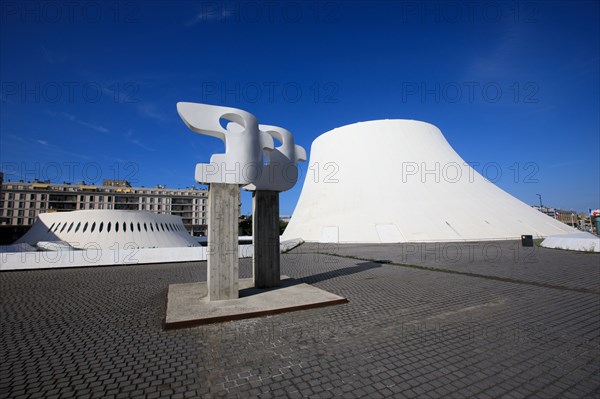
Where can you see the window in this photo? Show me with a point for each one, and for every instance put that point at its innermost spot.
(145, 227)
(117, 227)
(100, 198)
(77, 227)
(31, 196)
(124, 227)
(64, 225)
(108, 228)
(91, 197)
(93, 227)
(32, 204)
(100, 227)
(91, 206)
(81, 198)
(51, 226)
(85, 227)
(70, 227)
(139, 228)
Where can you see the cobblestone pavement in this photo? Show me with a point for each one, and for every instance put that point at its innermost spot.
(406, 332)
(507, 260)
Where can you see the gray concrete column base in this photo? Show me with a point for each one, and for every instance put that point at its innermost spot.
(222, 251)
(265, 232)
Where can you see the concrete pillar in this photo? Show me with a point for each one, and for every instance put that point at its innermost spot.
(265, 232)
(222, 251)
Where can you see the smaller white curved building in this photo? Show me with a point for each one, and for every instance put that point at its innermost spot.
(109, 229)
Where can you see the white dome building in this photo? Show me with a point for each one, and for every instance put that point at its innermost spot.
(390, 181)
(109, 229)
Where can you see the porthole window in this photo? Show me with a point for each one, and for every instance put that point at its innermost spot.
(85, 227)
(93, 227)
(78, 226)
(139, 228)
(50, 228)
(124, 227)
(108, 227)
(131, 225)
(145, 227)
(65, 225)
(101, 227)
(117, 227)
(70, 227)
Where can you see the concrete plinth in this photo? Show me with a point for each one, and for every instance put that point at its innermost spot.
(222, 251)
(265, 231)
(188, 305)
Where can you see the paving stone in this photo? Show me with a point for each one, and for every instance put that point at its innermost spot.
(470, 328)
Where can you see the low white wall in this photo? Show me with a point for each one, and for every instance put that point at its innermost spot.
(574, 242)
(106, 257)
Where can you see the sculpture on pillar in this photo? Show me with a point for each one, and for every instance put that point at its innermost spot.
(246, 144)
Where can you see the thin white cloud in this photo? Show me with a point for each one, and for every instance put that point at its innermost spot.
(42, 142)
(206, 15)
(73, 118)
(97, 128)
(151, 111)
(129, 137)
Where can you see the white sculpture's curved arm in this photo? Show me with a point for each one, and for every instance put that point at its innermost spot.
(244, 142)
(281, 173)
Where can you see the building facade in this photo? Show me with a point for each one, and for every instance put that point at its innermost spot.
(570, 218)
(21, 203)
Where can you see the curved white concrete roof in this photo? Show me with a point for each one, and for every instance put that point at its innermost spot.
(109, 229)
(372, 186)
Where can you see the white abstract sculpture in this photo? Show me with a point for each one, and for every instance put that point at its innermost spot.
(281, 172)
(244, 143)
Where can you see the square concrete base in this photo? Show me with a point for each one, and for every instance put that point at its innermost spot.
(187, 304)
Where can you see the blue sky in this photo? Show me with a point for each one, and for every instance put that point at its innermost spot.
(88, 90)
